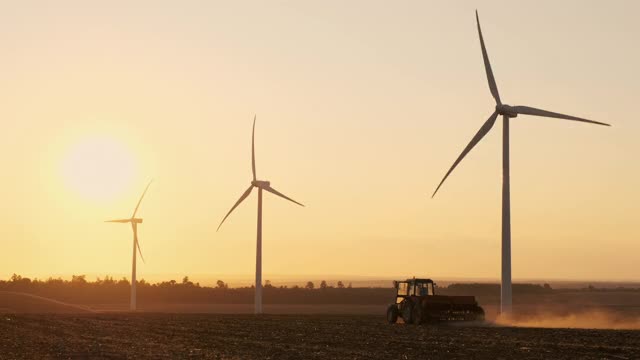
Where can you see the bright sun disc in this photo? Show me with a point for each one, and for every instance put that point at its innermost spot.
(98, 168)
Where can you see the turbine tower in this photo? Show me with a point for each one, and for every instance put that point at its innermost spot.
(134, 225)
(261, 185)
(507, 112)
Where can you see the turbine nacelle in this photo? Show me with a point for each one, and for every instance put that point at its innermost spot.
(132, 220)
(261, 184)
(506, 110)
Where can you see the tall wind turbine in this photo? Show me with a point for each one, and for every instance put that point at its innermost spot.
(507, 112)
(134, 225)
(261, 185)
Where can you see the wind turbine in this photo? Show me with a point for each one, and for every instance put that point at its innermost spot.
(261, 185)
(507, 112)
(134, 225)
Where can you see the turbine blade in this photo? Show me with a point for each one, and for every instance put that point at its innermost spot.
(476, 139)
(487, 65)
(526, 110)
(141, 197)
(274, 191)
(135, 237)
(119, 221)
(244, 196)
(253, 148)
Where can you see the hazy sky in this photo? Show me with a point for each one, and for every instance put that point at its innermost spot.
(362, 107)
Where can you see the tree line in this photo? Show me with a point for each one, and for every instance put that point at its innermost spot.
(108, 290)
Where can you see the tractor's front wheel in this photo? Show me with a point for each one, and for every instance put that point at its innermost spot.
(392, 313)
(407, 312)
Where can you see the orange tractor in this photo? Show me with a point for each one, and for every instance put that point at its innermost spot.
(417, 303)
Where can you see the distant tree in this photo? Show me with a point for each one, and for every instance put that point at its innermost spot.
(340, 285)
(79, 279)
(185, 281)
(267, 284)
(52, 281)
(221, 285)
(349, 287)
(20, 282)
(547, 286)
(309, 285)
(323, 285)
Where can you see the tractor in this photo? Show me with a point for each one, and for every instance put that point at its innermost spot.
(417, 303)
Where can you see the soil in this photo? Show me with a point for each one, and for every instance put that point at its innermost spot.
(211, 336)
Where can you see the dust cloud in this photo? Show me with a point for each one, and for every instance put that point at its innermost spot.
(592, 319)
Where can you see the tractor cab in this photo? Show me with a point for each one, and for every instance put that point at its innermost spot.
(413, 287)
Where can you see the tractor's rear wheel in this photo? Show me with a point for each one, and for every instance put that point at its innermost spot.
(407, 313)
(418, 314)
(392, 313)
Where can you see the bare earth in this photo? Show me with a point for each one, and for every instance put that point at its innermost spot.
(148, 335)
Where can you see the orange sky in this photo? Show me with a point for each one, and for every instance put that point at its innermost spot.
(362, 107)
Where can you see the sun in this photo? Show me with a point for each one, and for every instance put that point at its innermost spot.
(98, 167)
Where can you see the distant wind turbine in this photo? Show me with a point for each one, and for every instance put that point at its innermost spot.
(134, 225)
(507, 112)
(261, 185)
